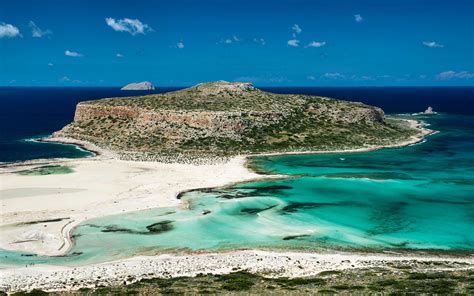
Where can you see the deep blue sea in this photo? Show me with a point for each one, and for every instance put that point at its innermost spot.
(419, 197)
(32, 112)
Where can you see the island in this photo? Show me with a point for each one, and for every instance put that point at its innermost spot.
(152, 149)
(224, 119)
(145, 85)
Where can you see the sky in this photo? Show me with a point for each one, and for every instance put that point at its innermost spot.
(268, 43)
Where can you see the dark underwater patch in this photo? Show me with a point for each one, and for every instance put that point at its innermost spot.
(295, 206)
(155, 228)
(255, 211)
(160, 227)
(294, 237)
(73, 254)
(389, 219)
(445, 201)
(166, 213)
(458, 181)
(114, 228)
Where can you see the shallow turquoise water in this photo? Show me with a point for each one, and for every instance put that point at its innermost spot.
(418, 197)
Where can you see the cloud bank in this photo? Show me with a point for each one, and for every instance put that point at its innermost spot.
(448, 75)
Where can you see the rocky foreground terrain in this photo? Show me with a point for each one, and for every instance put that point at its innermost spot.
(224, 119)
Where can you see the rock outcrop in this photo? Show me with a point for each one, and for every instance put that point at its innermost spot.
(227, 118)
(145, 85)
(429, 111)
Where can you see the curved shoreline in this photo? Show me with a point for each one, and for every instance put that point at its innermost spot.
(101, 154)
(417, 124)
(68, 241)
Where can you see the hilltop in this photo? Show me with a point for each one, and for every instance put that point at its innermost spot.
(224, 119)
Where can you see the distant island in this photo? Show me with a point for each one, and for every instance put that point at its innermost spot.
(226, 119)
(145, 85)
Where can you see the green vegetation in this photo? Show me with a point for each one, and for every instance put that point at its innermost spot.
(224, 119)
(351, 282)
(46, 170)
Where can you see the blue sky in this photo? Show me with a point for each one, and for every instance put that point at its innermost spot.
(269, 43)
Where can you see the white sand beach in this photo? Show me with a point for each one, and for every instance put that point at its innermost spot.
(97, 187)
(270, 264)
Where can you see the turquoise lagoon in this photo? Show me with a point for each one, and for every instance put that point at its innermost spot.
(416, 197)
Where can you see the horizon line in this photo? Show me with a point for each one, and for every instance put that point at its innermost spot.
(257, 86)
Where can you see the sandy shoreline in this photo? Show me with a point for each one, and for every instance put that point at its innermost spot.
(270, 264)
(101, 186)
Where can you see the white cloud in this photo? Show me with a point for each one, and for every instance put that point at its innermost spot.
(432, 44)
(9, 31)
(447, 75)
(233, 39)
(311, 77)
(72, 54)
(65, 79)
(50, 64)
(296, 30)
(358, 18)
(294, 42)
(119, 55)
(316, 44)
(334, 75)
(131, 26)
(180, 45)
(260, 41)
(36, 32)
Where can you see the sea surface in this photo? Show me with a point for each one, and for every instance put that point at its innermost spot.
(418, 197)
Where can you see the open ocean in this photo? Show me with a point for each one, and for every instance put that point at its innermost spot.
(416, 197)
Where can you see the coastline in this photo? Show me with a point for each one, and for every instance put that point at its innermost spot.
(237, 163)
(269, 263)
(56, 238)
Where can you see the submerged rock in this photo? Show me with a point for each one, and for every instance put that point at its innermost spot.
(145, 85)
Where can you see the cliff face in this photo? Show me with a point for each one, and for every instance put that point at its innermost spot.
(226, 118)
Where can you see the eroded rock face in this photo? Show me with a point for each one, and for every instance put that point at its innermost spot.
(175, 123)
